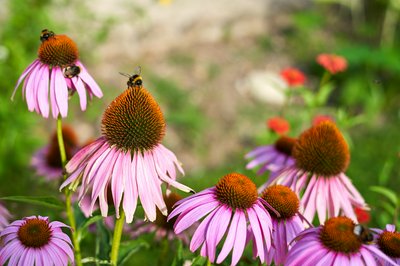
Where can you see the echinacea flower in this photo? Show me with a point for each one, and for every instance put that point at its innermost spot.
(333, 243)
(56, 73)
(293, 77)
(321, 157)
(278, 125)
(332, 63)
(129, 157)
(273, 157)
(287, 226)
(161, 227)
(4, 217)
(47, 160)
(35, 241)
(228, 209)
(388, 241)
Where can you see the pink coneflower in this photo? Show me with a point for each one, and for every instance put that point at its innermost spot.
(35, 241)
(47, 160)
(273, 157)
(4, 217)
(333, 243)
(287, 226)
(332, 63)
(278, 125)
(230, 207)
(129, 157)
(388, 241)
(293, 77)
(56, 73)
(161, 226)
(321, 157)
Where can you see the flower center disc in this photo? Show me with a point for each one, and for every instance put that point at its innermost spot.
(237, 191)
(283, 200)
(389, 243)
(322, 150)
(34, 233)
(134, 121)
(58, 50)
(161, 220)
(285, 145)
(337, 234)
(53, 157)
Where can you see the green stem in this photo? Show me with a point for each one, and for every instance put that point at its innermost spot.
(325, 78)
(208, 262)
(119, 225)
(68, 206)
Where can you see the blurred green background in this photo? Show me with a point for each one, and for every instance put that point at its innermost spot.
(197, 66)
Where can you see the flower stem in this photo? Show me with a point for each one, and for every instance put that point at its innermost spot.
(119, 225)
(325, 78)
(68, 206)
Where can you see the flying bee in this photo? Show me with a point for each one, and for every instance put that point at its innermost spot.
(134, 80)
(363, 233)
(45, 35)
(71, 71)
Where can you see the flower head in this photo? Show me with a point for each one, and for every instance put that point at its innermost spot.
(322, 156)
(56, 73)
(293, 77)
(129, 157)
(4, 217)
(388, 241)
(229, 209)
(278, 125)
(333, 243)
(47, 160)
(35, 241)
(273, 157)
(332, 63)
(287, 226)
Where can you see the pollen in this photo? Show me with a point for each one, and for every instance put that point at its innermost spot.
(337, 235)
(134, 121)
(58, 50)
(322, 150)
(34, 233)
(389, 243)
(53, 157)
(283, 200)
(285, 145)
(161, 220)
(237, 191)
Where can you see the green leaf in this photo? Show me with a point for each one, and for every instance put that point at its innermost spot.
(385, 172)
(199, 261)
(178, 260)
(51, 202)
(103, 241)
(127, 249)
(387, 193)
(82, 227)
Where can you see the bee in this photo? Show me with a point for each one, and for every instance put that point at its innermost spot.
(71, 71)
(363, 233)
(134, 80)
(45, 35)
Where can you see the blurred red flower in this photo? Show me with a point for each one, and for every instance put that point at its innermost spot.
(363, 216)
(293, 76)
(321, 118)
(278, 125)
(332, 63)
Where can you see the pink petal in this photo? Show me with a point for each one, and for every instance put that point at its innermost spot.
(144, 188)
(129, 183)
(61, 91)
(240, 240)
(43, 90)
(53, 100)
(118, 182)
(80, 88)
(84, 75)
(24, 74)
(255, 226)
(199, 235)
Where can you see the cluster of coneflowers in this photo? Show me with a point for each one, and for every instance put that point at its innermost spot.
(128, 164)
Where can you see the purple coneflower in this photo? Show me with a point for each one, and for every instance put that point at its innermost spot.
(273, 157)
(129, 157)
(230, 207)
(47, 160)
(321, 157)
(161, 226)
(287, 226)
(4, 217)
(56, 72)
(388, 241)
(333, 243)
(35, 241)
